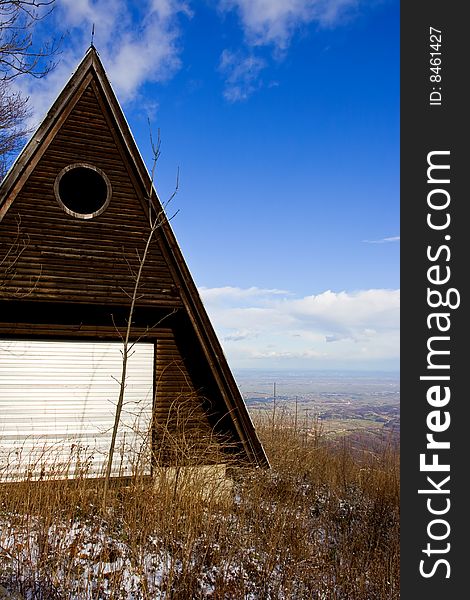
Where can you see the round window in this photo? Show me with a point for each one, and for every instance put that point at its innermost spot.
(82, 190)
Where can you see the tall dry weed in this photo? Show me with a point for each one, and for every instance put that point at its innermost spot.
(322, 523)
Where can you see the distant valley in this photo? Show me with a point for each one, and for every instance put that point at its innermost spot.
(355, 404)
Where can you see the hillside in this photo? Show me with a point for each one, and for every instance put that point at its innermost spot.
(323, 523)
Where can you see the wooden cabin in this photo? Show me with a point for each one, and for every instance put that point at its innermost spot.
(75, 214)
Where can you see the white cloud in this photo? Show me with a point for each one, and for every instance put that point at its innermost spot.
(275, 21)
(350, 312)
(242, 74)
(230, 293)
(270, 23)
(386, 240)
(260, 327)
(77, 12)
(238, 335)
(136, 45)
(286, 355)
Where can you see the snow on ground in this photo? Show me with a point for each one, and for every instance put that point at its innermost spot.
(88, 562)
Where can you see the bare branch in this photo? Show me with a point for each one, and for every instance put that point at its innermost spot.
(155, 223)
(175, 191)
(125, 292)
(116, 328)
(18, 55)
(149, 329)
(14, 111)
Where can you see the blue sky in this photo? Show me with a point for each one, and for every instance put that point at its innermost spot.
(283, 117)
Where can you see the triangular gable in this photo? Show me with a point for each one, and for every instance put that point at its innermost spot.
(91, 262)
(99, 255)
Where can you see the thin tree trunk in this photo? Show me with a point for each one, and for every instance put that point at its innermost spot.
(155, 223)
(125, 356)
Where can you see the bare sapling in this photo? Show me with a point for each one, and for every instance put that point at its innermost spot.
(156, 218)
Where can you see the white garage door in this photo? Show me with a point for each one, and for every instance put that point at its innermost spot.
(57, 406)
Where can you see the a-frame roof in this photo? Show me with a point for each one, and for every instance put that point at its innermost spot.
(90, 72)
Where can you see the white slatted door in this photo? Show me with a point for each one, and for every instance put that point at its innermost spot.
(57, 406)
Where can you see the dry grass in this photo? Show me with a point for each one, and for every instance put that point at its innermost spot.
(323, 523)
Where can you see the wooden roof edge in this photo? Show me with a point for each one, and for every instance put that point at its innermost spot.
(89, 63)
(216, 357)
(229, 381)
(34, 142)
(124, 128)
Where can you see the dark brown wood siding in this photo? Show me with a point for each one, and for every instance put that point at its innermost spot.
(52, 256)
(183, 431)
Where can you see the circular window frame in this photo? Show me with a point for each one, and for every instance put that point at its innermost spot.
(71, 212)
